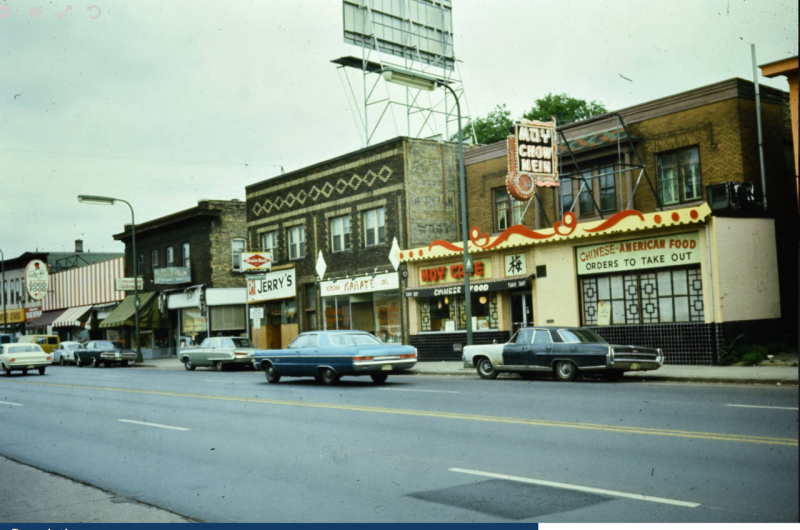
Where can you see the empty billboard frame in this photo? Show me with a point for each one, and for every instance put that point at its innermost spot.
(417, 30)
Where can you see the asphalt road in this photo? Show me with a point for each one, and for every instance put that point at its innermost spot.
(228, 447)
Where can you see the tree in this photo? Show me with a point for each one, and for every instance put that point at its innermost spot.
(493, 128)
(564, 108)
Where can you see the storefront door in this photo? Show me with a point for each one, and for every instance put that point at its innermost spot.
(521, 310)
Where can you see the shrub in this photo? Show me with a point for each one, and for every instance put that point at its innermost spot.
(730, 353)
(778, 347)
(752, 359)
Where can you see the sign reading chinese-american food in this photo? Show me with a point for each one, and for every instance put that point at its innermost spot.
(172, 275)
(256, 261)
(37, 279)
(650, 253)
(271, 285)
(363, 284)
(532, 158)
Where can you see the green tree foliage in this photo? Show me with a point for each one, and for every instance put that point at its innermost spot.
(493, 128)
(564, 108)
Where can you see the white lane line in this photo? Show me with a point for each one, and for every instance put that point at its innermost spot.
(410, 390)
(578, 488)
(220, 381)
(9, 403)
(760, 407)
(154, 425)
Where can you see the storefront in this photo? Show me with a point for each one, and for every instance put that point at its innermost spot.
(12, 321)
(368, 303)
(155, 330)
(275, 293)
(675, 280)
(74, 324)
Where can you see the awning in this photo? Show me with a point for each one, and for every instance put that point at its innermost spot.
(46, 319)
(74, 316)
(484, 286)
(149, 313)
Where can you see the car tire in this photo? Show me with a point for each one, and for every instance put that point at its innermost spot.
(41, 370)
(329, 377)
(78, 361)
(124, 363)
(62, 362)
(272, 374)
(187, 363)
(6, 370)
(565, 371)
(218, 366)
(95, 363)
(379, 379)
(24, 371)
(486, 369)
(614, 375)
(318, 378)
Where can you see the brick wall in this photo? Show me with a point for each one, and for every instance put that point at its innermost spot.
(230, 225)
(433, 201)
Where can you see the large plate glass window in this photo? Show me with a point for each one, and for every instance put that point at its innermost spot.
(374, 227)
(340, 233)
(269, 242)
(297, 242)
(228, 318)
(237, 246)
(679, 176)
(337, 312)
(448, 313)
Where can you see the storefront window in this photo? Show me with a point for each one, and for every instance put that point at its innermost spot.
(193, 324)
(674, 295)
(387, 317)
(228, 318)
(450, 314)
(289, 311)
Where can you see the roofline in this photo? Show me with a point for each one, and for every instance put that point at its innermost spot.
(183, 215)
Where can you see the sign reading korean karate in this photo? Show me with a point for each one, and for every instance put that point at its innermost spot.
(271, 286)
(37, 279)
(650, 253)
(363, 284)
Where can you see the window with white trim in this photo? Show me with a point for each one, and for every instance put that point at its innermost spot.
(296, 236)
(269, 243)
(186, 255)
(170, 257)
(374, 227)
(237, 246)
(679, 176)
(154, 259)
(340, 233)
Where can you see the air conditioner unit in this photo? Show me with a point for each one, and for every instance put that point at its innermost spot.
(731, 196)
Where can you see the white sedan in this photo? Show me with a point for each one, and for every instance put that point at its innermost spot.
(23, 357)
(65, 353)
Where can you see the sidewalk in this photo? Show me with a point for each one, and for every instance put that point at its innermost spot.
(765, 374)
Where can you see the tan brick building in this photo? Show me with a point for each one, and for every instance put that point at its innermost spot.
(634, 179)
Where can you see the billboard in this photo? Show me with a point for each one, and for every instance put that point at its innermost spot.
(418, 30)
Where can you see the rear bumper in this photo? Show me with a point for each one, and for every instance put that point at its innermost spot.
(635, 365)
(28, 366)
(374, 367)
(113, 358)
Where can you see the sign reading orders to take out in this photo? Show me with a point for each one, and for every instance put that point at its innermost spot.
(651, 253)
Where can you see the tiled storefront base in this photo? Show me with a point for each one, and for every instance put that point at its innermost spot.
(689, 343)
(447, 346)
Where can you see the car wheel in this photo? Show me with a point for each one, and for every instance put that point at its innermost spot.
(329, 377)
(24, 371)
(95, 362)
(218, 366)
(62, 362)
(41, 370)
(272, 375)
(614, 375)
(78, 361)
(486, 369)
(187, 363)
(379, 379)
(124, 363)
(6, 370)
(565, 371)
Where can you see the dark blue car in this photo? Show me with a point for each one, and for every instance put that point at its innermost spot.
(328, 355)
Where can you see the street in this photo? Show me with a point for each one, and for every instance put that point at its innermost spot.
(228, 447)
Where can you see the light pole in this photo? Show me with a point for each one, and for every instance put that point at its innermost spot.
(423, 82)
(109, 201)
(3, 286)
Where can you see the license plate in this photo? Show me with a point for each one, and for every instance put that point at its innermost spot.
(31, 366)
(634, 366)
(386, 367)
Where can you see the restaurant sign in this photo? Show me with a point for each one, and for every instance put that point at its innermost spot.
(12, 316)
(532, 158)
(454, 273)
(363, 284)
(271, 286)
(650, 253)
(37, 279)
(172, 275)
(32, 313)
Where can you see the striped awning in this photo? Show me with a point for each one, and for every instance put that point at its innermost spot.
(47, 318)
(74, 316)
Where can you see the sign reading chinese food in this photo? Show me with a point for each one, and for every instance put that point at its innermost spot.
(532, 158)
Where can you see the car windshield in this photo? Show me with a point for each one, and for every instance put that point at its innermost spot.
(28, 348)
(353, 339)
(104, 344)
(580, 335)
(236, 342)
(117, 344)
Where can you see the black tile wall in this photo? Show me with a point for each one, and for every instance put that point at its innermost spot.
(686, 343)
(437, 347)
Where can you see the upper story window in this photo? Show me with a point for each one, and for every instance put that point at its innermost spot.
(374, 227)
(608, 191)
(237, 246)
(340, 233)
(679, 176)
(170, 257)
(269, 242)
(507, 210)
(140, 264)
(154, 259)
(565, 192)
(186, 255)
(587, 186)
(297, 241)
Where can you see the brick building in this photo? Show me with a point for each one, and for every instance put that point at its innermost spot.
(193, 286)
(734, 272)
(348, 210)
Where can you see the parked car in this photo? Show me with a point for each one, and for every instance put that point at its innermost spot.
(219, 352)
(65, 353)
(23, 357)
(328, 355)
(103, 352)
(565, 352)
(48, 342)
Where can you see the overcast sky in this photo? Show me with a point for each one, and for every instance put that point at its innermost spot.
(164, 103)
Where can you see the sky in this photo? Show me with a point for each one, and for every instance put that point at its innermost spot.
(166, 103)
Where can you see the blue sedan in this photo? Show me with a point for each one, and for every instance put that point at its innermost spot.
(328, 355)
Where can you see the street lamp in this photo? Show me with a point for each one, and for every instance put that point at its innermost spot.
(3, 286)
(109, 201)
(423, 82)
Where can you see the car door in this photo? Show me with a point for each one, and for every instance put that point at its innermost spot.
(203, 353)
(57, 353)
(540, 354)
(293, 359)
(309, 355)
(516, 353)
